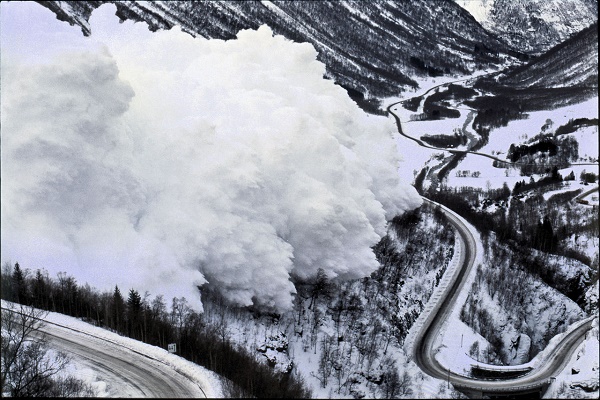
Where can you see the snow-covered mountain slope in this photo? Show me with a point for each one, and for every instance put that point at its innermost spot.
(571, 63)
(506, 300)
(372, 48)
(533, 26)
(566, 74)
(346, 339)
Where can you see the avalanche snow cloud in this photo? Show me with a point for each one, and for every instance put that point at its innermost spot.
(162, 162)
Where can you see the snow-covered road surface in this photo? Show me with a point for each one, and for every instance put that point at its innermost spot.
(588, 193)
(128, 371)
(127, 367)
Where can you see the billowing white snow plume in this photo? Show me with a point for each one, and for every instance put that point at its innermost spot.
(161, 162)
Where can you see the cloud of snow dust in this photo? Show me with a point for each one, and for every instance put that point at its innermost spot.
(160, 162)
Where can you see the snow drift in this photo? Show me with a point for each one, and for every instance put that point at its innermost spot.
(164, 162)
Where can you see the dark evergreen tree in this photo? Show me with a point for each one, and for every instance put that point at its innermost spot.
(20, 292)
(6, 282)
(40, 290)
(320, 287)
(544, 238)
(556, 176)
(68, 294)
(117, 310)
(134, 311)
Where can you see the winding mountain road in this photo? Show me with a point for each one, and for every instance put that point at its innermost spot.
(131, 372)
(429, 325)
(423, 348)
(455, 151)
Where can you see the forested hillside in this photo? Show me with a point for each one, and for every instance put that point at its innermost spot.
(371, 48)
(573, 63)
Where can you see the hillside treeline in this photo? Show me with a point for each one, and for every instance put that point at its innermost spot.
(509, 278)
(347, 335)
(151, 321)
(351, 329)
(530, 222)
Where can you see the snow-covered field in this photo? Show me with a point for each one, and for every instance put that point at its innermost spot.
(414, 155)
(516, 132)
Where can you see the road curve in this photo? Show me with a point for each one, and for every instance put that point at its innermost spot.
(423, 351)
(586, 193)
(455, 151)
(128, 373)
(132, 373)
(428, 327)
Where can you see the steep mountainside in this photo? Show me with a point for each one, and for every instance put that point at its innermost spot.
(571, 63)
(372, 48)
(533, 26)
(566, 74)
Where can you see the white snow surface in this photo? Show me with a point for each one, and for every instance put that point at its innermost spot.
(516, 132)
(479, 9)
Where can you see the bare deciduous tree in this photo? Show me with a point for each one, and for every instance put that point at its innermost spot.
(27, 370)
(393, 384)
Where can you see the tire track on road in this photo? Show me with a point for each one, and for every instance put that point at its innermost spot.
(144, 374)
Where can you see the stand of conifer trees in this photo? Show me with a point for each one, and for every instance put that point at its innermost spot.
(138, 317)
